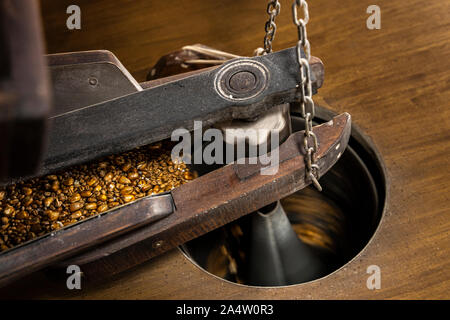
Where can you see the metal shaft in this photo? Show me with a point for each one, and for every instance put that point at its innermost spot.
(277, 256)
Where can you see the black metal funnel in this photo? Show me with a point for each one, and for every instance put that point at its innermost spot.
(276, 255)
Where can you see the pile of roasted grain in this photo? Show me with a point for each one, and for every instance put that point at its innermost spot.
(38, 206)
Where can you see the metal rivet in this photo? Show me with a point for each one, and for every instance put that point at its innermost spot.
(93, 81)
(157, 244)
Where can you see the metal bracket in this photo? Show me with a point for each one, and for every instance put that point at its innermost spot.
(151, 115)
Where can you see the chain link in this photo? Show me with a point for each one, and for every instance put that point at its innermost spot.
(273, 9)
(310, 142)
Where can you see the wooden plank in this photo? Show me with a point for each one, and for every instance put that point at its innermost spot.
(60, 244)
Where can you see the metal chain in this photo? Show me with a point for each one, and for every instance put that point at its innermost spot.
(310, 142)
(273, 9)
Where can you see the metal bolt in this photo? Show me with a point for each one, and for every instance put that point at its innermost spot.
(157, 244)
(93, 81)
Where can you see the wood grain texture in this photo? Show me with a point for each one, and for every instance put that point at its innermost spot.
(393, 81)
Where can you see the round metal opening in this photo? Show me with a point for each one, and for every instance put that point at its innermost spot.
(333, 225)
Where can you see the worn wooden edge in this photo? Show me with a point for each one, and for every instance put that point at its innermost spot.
(41, 252)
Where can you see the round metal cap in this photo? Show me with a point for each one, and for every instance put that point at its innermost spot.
(241, 80)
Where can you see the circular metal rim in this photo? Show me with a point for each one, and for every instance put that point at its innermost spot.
(231, 69)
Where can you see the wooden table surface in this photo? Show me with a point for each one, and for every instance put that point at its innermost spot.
(394, 82)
